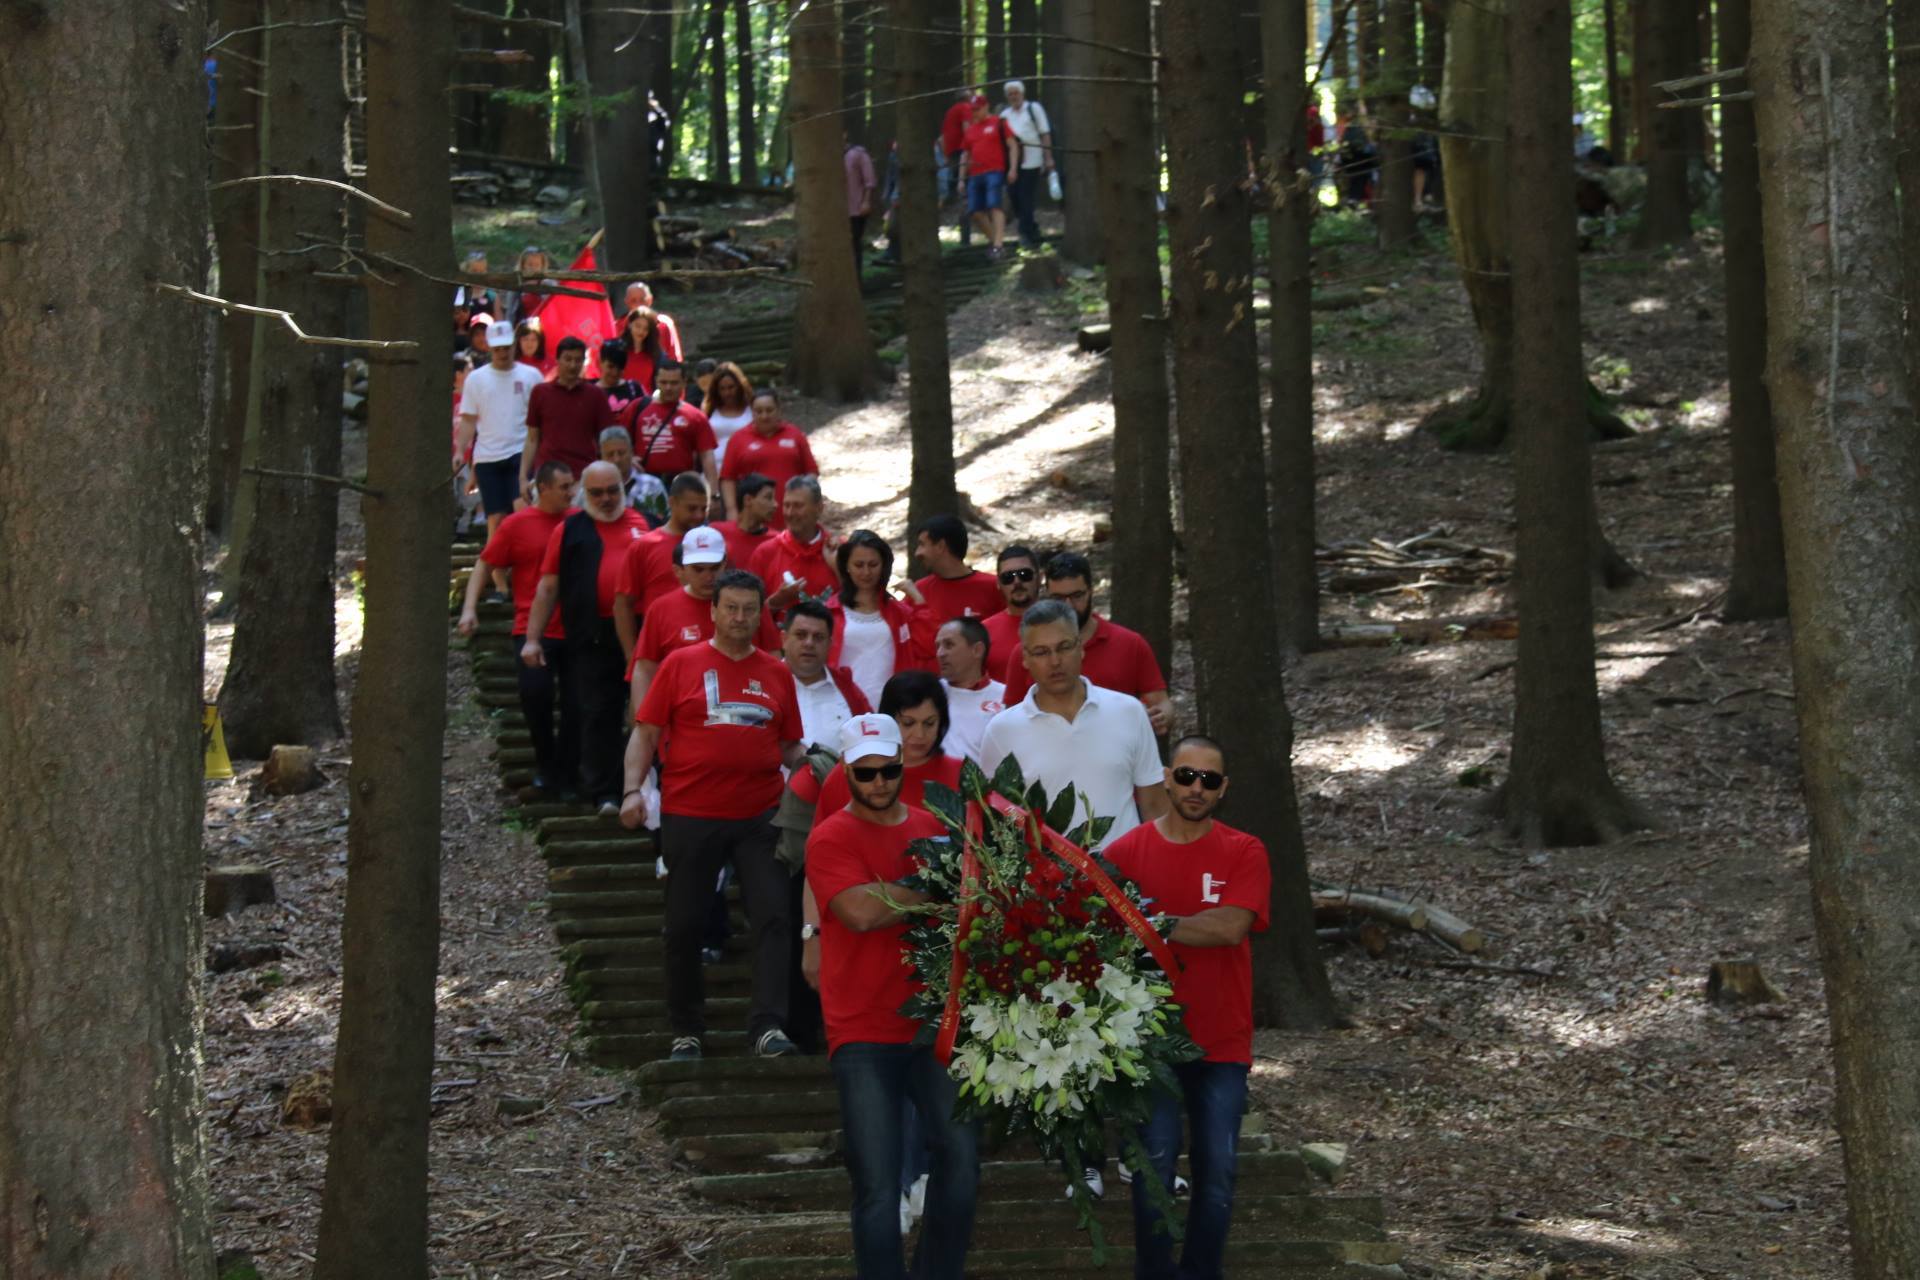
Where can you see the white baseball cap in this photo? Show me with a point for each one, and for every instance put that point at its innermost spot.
(869, 735)
(703, 545)
(500, 333)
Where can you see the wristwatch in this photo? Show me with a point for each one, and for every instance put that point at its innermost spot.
(808, 932)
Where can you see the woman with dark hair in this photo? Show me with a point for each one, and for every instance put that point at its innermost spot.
(874, 634)
(645, 349)
(729, 402)
(918, 702)
(530, 346)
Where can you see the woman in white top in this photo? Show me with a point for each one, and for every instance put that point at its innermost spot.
(729, 403)
(874, 634)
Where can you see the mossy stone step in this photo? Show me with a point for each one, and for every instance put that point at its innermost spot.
(1290, 1260)
(515, 757)
(507, 739)
(495, 698)
(594, 900)
(721, 1010)
(634, 1050)
(644, 932)
(538, 811)
(623, 877)
(787, 1111)
(1347, 1220)
(586, 824)
(631, 981)
(636, 847)
(1258, 1173)
(749, 1152)
(660, 1080)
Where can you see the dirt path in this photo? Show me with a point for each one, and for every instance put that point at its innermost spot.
(1598, 1121)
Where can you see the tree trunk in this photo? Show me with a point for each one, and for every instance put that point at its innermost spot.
(1339, 40)
(1641, 82)
(1666, 216)
(1616, 104)
(234, 147)
(1758, 586)
(102, 196)
(1394, 210)
(1850, 497)
(1080, 184)
(1290, 464)
(280, 680)
(923, 305)
(856, 19)
(1129, 178)
(719, 131)
(1052, 60)
(621, 148)
(1366, 51)
(526, 131)
(883, 124)
(1232, 618)
(745, 58)
(373, 1215)
(832, 350)
(1023, 41)
(1558, 791)
(996, 42)
(1906, 42)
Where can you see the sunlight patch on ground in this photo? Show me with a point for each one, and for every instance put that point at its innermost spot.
(1637, 1240)
(1368, 749)
(1647, 306)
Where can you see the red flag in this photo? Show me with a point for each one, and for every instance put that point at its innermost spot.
(590, 320)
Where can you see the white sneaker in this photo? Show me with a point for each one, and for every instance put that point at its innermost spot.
(1126, 1174)
(917, 1196)
(659, 868)
(1096, 1185)
(906, 1215)
(1180, 1186)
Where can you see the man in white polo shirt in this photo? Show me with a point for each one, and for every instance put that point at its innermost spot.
(973, 697)
(1070, 733)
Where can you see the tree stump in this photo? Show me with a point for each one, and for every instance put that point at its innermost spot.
(1095, 337)
(230, 888)
(1734, 982)
(309, 1101)
(1042, 274)
(289, 771)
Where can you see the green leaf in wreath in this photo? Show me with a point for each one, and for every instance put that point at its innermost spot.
(1008, 780)
(1097, 829)
(974, 784)
(947, 804)
(1061, 814)
(1036, 799)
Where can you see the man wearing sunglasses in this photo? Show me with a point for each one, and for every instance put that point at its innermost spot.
(1019, 582)
(1115, 657)
(855, 858)
(1213, 881)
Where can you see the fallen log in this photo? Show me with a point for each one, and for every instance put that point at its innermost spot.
(1406, 915)
(1454, 931)
(1361, 635)
(1095, 337)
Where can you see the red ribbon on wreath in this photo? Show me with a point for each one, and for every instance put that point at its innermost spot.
(1042, 837)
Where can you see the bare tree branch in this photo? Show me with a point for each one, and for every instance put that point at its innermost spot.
(279, 26)
(465, 14)
(303, 180)
(313, 477)
(284, 317)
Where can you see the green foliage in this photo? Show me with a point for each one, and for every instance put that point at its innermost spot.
(566, 101)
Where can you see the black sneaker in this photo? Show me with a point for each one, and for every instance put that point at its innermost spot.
(496, 597)
(773, 1043)
(685, 1049)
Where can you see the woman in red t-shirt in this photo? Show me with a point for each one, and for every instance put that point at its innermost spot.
(530, 346)
(644, 348)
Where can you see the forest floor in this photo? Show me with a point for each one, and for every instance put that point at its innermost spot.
(1569, 1107)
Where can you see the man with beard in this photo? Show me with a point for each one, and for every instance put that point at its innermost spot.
(1019, 580)
(584, 560)
(855, 857)
(1214, 882)
(1113, 657)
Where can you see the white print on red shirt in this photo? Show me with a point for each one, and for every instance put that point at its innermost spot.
(750, 715)
(1210, 888)
(690, 633)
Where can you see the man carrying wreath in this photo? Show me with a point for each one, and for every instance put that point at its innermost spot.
(855, 858)
(1214, 881)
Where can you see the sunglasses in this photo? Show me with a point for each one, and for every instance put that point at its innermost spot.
(1010, 576)
(868, 772)
(1207, 778)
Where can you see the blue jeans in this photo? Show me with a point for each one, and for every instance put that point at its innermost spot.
(1216, 1097)
(985, 191)
(874, 1079)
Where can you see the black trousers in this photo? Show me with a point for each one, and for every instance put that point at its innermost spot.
(596, 684)
(805, 1025)
(858, 223)
(556, 751)
(695, 849)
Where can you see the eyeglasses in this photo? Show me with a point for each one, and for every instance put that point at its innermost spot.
(868, 772)
(1010, 576)
(1207, 778)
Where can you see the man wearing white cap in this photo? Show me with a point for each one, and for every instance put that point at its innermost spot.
(855, 858)
(685, 617)
(493, 424)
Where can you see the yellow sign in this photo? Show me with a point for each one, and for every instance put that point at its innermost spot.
(213, 744)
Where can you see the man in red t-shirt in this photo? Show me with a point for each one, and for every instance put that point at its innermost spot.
(685, 617)
(1214, 882)
(798, 558)
(518, 546)
(1113, 657)
(584, 558)
(564, 416)
(952, 588)
(722, 720)
(989, 162)
(855, 858)
(754, 501)
(650, 571)
(1018, 578)
(771, 447)
(670, 435)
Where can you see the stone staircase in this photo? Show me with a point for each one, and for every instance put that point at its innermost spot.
(760, 1138)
